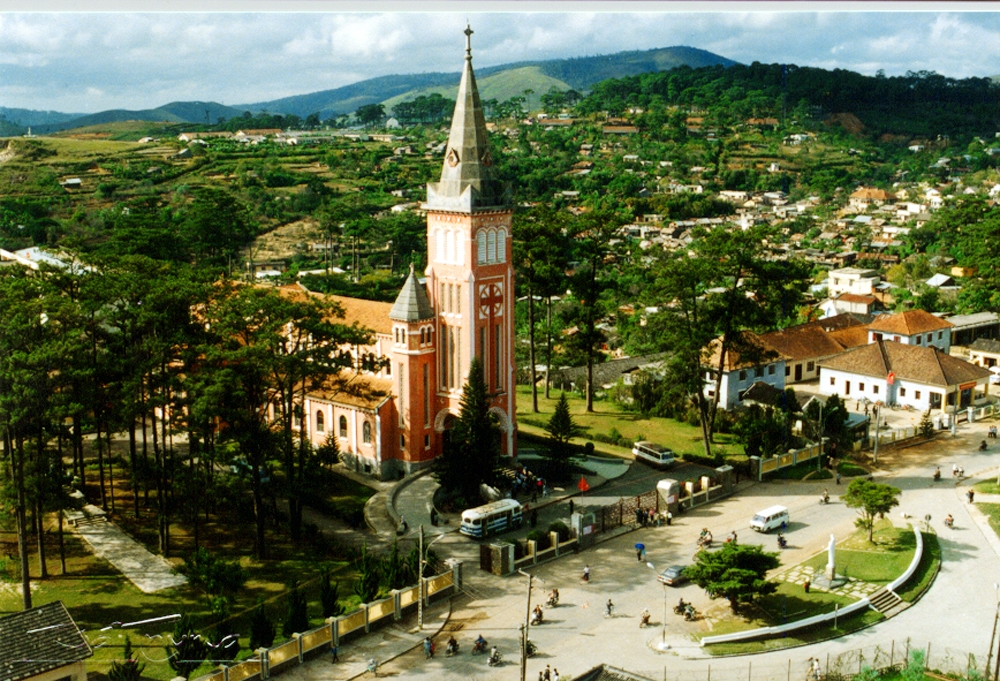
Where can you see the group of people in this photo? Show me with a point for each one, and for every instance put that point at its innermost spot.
(527, 482)
(992, 432)
(645, 517)
(548, 674)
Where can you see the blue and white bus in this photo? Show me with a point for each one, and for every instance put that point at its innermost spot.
(492, 518)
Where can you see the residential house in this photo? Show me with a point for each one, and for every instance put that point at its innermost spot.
(766, 364)
(985, 352)
(865, 197)
(920, 377)
(942, 281)
(852, 280)
(913, 327)
(43, 644)
(851, 302)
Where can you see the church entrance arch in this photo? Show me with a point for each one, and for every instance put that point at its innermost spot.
(444, 420)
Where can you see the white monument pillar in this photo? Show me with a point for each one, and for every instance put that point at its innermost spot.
(831, 550)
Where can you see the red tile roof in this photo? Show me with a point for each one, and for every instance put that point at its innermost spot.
(917, 363)
(909, 323)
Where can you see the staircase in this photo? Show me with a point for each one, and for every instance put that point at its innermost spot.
(886, 602)
(87, 515)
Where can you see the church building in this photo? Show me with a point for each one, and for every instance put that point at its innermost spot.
(464, 308)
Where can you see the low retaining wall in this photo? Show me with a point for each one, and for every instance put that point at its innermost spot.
(268, 662)
(767, 632)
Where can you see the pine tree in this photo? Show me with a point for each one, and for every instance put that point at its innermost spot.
(262, 631)
(561, 430)
(128, 669)
(187, 650)
(471, 450)
(926, 425)
(367, 584)
(328, 597)
(297, 620)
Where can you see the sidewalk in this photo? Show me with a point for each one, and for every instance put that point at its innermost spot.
(150, 573)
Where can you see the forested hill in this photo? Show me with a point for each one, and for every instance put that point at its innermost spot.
(916, 104)
(579, 73)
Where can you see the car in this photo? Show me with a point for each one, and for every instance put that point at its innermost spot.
(673, 575)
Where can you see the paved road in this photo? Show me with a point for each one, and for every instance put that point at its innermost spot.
(955, 615)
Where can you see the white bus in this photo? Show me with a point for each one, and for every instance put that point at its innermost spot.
(492, 518)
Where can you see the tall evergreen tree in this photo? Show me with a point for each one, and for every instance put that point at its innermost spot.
(471, 450)
(561, 430)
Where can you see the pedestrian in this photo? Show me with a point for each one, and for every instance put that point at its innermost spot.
(806, 585)
(652, 515)
(954, 470)
(571, 507)
(555, 675)
(333, 654)
(971, 494)
(548, 673)
(545, 488)
(670, 517)
(428, 651)
(534, 517)
(638, 553)
(541, 675)
(838, 477)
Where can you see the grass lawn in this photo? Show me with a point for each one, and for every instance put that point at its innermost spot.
(987, 487)
(992, 512)
(96, 594)
(608, 417)
(878, 563)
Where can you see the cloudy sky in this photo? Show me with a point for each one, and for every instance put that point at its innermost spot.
(71, 60)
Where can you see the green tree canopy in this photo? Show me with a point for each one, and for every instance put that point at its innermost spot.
(736, 572)
(871, 500)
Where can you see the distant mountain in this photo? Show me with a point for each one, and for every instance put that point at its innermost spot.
(499, 82)
(579, 73)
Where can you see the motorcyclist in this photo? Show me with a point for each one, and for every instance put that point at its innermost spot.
(949, 521)
(782, 542)
(536, 615)
(644, 618)
(494, 656)
(586, 573)
(553, 598)
(452, 646)
(688, 612)
(982, 446)
(937, 474)
(826, 497)
(479, 645)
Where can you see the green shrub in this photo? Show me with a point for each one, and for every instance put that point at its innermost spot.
(850, 470)
(541, 537)
(560, 529)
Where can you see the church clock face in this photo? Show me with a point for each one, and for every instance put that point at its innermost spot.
(452, 157)
(490, 300)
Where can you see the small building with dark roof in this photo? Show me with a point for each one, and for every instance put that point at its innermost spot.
(43, 644)
(913, 327)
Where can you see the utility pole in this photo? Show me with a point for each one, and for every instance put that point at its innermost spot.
(819, 456)
(875, 452)
(996, 615)
(420, 578)
(524, 627)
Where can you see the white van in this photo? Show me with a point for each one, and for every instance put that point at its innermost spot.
(653, 453)
(770, 519)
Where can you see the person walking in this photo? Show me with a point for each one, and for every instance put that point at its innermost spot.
(555, 675)
(971, 494)
(428, 648)
(548, 674)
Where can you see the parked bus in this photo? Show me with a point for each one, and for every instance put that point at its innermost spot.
(492, 518)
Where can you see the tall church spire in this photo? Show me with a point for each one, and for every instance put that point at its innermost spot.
(467, 177)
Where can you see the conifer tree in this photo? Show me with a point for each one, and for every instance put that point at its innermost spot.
(561, 430)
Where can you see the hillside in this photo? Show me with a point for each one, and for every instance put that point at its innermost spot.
(500, 82)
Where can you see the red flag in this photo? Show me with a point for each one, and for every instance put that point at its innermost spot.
(891, 378)
(583, 484)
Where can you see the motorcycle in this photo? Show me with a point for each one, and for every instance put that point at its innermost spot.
(495, 658)
(680, 607)
(586, 574)
(644, 620)
(704, 542)
(479, 647)
(451, 649)
(552, 602)
(949, 522)
(825, 499)
(782, 542)
(536, 617)
(982, 446)
(690, 614)
(937, 475)
(531, 649)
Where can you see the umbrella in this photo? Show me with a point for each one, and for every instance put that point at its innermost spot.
(640, 546)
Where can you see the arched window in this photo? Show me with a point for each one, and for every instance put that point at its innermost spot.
(439, 238)
(343, 427)
(481, 247)
(449, 246)
(320, 423)
(491, 248)
(366, 433)
(502, 245)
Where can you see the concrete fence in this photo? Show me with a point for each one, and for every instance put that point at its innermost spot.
(268, 662)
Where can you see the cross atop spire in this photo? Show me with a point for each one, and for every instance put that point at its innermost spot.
(467, 178)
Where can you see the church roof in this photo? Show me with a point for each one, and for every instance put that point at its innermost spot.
(467, 175)
(412, 304)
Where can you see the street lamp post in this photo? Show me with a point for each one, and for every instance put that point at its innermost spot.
(996, 615)
(663, 626)
(524, 627)
(420, 577)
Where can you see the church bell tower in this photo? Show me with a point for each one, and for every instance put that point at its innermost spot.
(470, 280)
